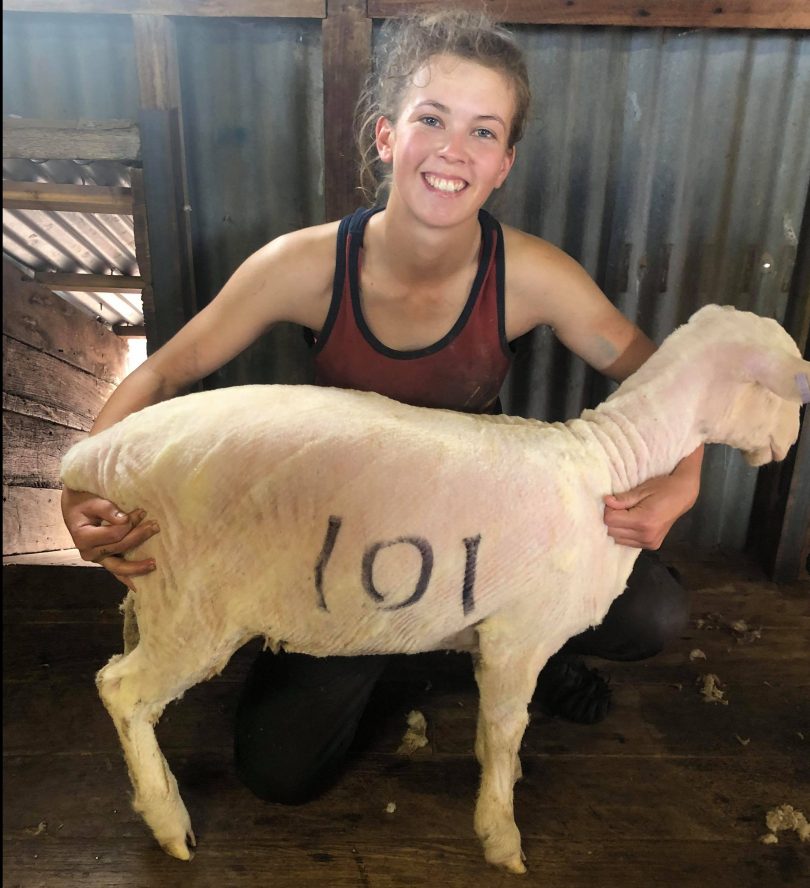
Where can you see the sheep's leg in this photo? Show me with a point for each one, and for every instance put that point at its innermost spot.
(135, 693)
(479, 750)
(506, 673)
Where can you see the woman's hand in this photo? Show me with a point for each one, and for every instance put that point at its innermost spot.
(642, 517)
(103, 533)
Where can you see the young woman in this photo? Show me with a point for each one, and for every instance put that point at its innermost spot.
(417, 299)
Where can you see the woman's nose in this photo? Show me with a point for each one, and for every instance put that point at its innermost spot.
(453, 147)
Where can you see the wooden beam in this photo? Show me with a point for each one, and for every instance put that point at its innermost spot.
(202, 8)
(66, 198)
(71, 139)
(143, 256)
(156, 58)
(32, 521)
(26, 463)
(89, 283)
(774, 14)
(129, 331)
(171, 288)
(788, 556)
(346, 39)
(787, 566)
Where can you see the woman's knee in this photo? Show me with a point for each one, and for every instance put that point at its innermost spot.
(660, 611)
(274, 780)
(296, 720)
(651, 612)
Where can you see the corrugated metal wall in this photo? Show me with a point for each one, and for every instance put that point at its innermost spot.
(253, 117)
(69, 66)
(674, 166)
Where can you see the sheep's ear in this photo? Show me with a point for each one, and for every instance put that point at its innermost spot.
(785, 375)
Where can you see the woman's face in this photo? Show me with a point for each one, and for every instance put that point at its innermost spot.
(449, 144)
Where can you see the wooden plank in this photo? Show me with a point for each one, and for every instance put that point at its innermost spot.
(793, 540)
(202, 8)
(33, 449)
(32, 521)
(789, 554)
(778, 14)
(129, 331)
(66, 198)
(56, 415)
(141, 234)
(156, 56)
(290, 857)
(49, 558)
(346, 62)
(774, 14)
(134, 859)
(33, 315)
(89, 283)
(652, 821)
(171, 301)
(71, 139)
(598, 798)
(37, 379)
(172, 269)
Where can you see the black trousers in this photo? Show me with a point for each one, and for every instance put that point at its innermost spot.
(297, 715)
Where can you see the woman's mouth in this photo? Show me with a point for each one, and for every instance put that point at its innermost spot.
(444, 184)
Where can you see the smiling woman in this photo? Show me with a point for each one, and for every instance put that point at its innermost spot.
(449, 140)
(407, 48)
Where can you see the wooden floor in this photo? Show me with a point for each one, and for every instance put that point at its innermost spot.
(669, 790)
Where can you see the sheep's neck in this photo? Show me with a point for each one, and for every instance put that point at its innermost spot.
(641, 438)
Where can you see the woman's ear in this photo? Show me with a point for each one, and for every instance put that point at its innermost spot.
(506, 165)
(384, 139)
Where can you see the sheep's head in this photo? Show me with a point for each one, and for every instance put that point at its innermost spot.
(760, 382)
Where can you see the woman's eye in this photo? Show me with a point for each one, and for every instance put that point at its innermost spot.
(485, 133)
(430, 121)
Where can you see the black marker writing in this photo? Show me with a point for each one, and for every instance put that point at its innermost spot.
(467, 598)
(323, 558)
(424, 549)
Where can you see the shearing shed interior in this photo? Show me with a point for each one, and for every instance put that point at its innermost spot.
(148, 150)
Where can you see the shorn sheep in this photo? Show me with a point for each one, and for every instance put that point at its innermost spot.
(340, 522)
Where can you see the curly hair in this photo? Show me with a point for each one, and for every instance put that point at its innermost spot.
(407, 45)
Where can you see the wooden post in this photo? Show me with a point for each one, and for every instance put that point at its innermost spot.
(165, 185)
(346, 62)
(141, 231)
(792, 517)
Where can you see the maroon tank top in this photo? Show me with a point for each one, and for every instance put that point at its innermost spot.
(464, 370)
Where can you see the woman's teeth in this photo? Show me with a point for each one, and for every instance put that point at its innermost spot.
(448, 185)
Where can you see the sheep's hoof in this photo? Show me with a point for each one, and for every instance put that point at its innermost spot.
(179, 848)
(512, 863)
